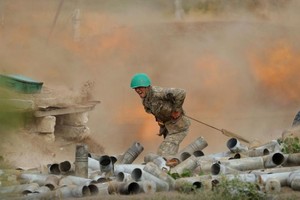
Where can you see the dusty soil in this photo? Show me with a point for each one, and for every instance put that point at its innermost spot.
(26, 150)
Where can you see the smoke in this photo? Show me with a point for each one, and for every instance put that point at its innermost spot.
(237, 62)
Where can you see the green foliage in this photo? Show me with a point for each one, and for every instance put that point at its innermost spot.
(236, 189)
(290, 144)
(201, 173)
(10, 118)
(174, 175)
(185, 173)
(187, 188)
(225, 189)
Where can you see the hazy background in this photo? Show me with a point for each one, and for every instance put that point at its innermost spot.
(238, 62)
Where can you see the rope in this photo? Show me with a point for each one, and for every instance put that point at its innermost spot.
(203, 123)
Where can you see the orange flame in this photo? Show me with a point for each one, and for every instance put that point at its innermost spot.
(144, 123)
(277, 70)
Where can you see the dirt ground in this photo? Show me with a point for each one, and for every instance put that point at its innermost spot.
(23, 147)
(28, 151)
(285, 194)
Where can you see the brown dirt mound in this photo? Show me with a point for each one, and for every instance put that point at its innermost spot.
(24, 150)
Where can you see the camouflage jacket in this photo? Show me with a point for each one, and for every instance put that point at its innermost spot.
(161, 102)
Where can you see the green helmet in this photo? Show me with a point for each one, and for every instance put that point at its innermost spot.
(140, 80)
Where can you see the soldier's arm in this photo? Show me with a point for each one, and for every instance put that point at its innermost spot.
(176, 96)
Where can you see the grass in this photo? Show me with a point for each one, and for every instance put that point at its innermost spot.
(224, 189)
(290, 145)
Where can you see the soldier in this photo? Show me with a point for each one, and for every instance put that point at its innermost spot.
(166, 106)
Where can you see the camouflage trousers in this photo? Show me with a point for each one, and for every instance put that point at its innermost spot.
(170, 145)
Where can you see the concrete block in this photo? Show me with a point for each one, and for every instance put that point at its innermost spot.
(74, 119)
(72, 132)
(45, 124)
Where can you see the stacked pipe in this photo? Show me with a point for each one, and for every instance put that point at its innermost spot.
(247, 164)
(193, 149)
(100, 175)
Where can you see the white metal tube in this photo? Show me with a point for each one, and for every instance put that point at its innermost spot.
(148, 187)
(282, 177)
(75, 180)
(127, 168)
(123, 177)
(235, 146)
(131, 154)
(274, 159)
(272, 186)
(140, 175)
(106, 165)
(218, 169)
(23, 188)
(189, 164)
(244, 164)
(93, 164)
(156, 171)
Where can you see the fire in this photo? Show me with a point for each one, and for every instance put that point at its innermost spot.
(143, 124)
(214, 74)
(148, 130)
(277, 71)
(210, 66)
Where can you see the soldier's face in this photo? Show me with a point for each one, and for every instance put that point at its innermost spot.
(141, 91)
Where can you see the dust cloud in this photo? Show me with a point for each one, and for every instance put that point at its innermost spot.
(238, 63)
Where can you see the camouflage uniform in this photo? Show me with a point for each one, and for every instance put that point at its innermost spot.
(161, 102)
